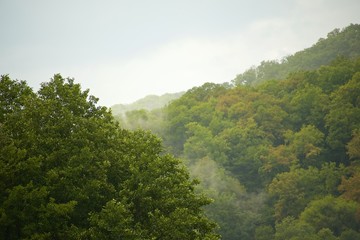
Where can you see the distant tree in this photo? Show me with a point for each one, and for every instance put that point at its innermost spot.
(306, 144)
(336, 214)
(344, 116)
(293, 229)
(264, 232)
(353, 145)
(309, 106)
(294, 190)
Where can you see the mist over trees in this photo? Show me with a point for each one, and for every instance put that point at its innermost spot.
(278, 154)
(272, 155)
(150, 102)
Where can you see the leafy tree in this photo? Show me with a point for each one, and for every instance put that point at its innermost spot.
(333, 213)
(293, 229)
(196, 105)
(349, 234)
(202, 143)
(114, 221)
(277, 160)
(330, 77)
(295, 189)
(308, 106)
(353, 145)
(69, 172)
(350, 186)
(326, 234)
(248, 144)
(264, 232)
(305, 144)
(13, 95)
(344, 116)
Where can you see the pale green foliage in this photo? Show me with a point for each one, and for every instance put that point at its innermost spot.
(148, 103)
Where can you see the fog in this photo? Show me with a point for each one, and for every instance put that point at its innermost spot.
(125, 50)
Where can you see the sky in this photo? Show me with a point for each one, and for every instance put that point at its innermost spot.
(124, 50)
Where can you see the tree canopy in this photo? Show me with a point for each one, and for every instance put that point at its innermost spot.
(290, 145)
(68, 171)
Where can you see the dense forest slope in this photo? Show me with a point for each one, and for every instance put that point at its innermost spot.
(279, 157)
(291, 144)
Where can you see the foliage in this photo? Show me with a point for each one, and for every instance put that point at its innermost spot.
(332, 213)
(295, 138)
(279, 158)
(68, 171)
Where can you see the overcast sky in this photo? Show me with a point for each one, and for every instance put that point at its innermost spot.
(124, 50)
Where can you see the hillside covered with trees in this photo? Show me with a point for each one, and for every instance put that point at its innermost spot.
(273, 155)
(279, 155)
(283, 152)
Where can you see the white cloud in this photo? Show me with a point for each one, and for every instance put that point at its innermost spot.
(185, 63)
(160, 48)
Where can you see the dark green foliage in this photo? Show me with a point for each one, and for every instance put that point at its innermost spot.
(67, 171)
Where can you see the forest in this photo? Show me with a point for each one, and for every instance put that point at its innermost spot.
(279, 155)
(272, 155)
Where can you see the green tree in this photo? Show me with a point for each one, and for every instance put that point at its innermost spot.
(68, 171)
(333, 213)
(246, 145)
(306, 144)
(264, 232)
(344, 117)
(353, 145)
(294, 190)
(309, 106)
(293, 229)
(13, 95)
(202, 143)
